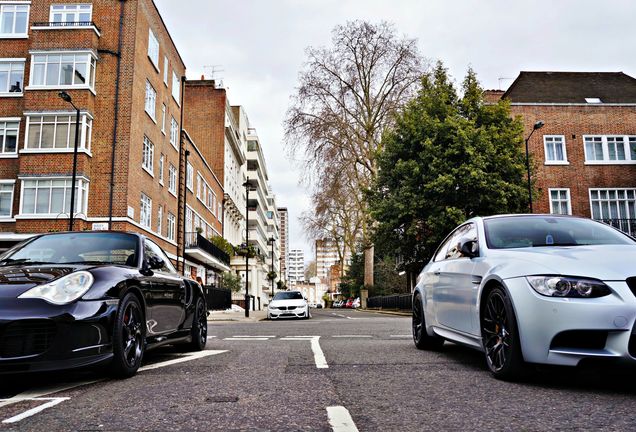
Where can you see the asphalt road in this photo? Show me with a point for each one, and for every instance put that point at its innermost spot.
(280, 376)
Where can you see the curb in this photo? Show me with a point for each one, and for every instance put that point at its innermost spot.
(385, 312)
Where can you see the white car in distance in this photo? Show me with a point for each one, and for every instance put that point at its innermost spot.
(288, 304)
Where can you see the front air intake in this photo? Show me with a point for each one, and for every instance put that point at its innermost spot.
(631, 283)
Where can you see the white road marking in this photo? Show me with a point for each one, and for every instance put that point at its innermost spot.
(51, 403)
(211, 337)
(352, 336)
(255, 336)
(340, 419)
(185, 357)
(402, 336)
(247, 339)
(319, 356)
(44, 392)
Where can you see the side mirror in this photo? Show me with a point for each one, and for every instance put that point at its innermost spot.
(155, 263)
(469, 247)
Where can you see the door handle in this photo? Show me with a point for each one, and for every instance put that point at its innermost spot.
(437, 272)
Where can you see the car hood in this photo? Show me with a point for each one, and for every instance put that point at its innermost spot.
(15, 280)
(605, 262)
(279, 303)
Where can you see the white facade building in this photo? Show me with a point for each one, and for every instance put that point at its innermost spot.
(296, 267)
(236, 124)
(326, 256)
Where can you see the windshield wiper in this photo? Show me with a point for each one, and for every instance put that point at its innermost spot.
(10, 261)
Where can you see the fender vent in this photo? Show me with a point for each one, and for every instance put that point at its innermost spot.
(631, 283)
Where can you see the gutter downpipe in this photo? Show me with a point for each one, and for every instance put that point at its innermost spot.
(182, 155)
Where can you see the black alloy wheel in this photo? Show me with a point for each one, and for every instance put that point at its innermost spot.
(500, 337)
(199, 331)
(129, 338)
(421, 338)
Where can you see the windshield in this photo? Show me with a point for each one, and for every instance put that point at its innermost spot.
(536, 231)
(288, 295)
(76, 248)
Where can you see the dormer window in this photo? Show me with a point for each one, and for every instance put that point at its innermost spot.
(593, 100)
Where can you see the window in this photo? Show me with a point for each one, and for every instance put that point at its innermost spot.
(172, 179)
(613, 203)
(555, 152)
(165, 70)
(176, 88)
(153, 48)
(161, 159)
(6, 198)
(560, 201)
(174, 132)
(610, 149)
(145, 211)
(152, 250)
(11, 77)
(151, 100)
(56, 132)
(219, 210)
(147, 160)
(171, 226)
(62, 70)
(52, 197)
(159, 219)
(163, 118)
(71, 14)
(190, 177)
(9, 137)
(13, 20)
(200, 187)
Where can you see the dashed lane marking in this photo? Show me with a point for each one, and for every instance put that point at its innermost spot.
(340, 420)
(319, 355)
(352, 336)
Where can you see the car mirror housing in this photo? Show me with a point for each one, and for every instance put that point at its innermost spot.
(469, 247)
(155, 263)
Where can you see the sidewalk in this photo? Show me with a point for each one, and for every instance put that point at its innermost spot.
(237, 316)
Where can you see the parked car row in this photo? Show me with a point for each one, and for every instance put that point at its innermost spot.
(350, 303)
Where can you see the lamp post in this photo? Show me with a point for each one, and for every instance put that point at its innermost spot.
(537, 125)
(247, 244)
(67, 98)
(271, 240)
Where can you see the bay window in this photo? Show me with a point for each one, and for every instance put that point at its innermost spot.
(63, 70)
(9, 129)
(14, 20)
(56, 133)
(71, 13)
(11, 77)
(52, 196)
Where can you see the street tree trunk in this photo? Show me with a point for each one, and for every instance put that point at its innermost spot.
(368, 266)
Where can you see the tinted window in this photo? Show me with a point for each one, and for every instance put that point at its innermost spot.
(152, 250)
(536, 231)
(107, 248)
(288, 295)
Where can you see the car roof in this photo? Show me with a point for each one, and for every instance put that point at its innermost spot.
(136, 234)
(529, 215)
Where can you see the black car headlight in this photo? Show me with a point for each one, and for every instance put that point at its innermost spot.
(565, 286)
(63, 290)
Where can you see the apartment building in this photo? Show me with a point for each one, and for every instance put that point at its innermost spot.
(120, 68)
(283, 218)
(585, 153)
(326, 257)
(296, 267)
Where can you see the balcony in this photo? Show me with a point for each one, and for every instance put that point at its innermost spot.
(204, 250)
(628, 226)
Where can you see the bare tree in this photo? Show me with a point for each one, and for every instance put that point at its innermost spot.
(347, 97)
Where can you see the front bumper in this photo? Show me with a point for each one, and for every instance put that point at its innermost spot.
(564, 331)
(37, 336)
(301, 312)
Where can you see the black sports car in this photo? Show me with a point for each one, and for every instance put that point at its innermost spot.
(83, 298)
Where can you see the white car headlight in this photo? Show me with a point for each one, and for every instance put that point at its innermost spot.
(63, 290)
(562, 286)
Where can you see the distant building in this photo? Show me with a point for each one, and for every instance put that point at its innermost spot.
(283, 219)
(296, 267)
(326, 256)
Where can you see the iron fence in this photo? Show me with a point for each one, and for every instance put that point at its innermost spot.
(217, 298)
(396, 301)
(628, 226)
(65, 24)
(196, 240)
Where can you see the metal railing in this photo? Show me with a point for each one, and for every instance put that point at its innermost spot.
(66, 24)
(217, 298)
(396, 301)
(628, 226)
(196, 240)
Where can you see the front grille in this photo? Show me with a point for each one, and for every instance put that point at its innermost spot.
(26, 338)
(291, 307)
(631, 283)
(580, 339)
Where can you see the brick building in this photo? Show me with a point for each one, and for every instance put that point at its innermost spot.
(121, 68)
(585, 154)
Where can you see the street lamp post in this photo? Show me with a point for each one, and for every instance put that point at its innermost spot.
(247, 244)
(537, 125)
(271, 240)
(67, 98)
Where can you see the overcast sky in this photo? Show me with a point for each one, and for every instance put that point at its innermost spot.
(260, 46)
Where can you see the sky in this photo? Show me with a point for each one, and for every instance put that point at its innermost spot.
(258, 48)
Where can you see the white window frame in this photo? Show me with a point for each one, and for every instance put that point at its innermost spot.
(176, 88)
(86, 133)
(171, 225)
(150, 103)
(162, 159)
(190, 177)
(166, 64)
(12, 183)
(605, 149)
(91, 66)
(546, 138)
(568, 199)
(174, 133)
(81, 197)
(145, 211)
(5, 92)
(153, 49)
(172, 179)
(148, 156)
(3, 137)
(160, 219)
(163, 118)
(4, 7)
(74, 9)
(626, 191)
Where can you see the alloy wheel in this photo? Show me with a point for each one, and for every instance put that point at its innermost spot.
(496, 335)
(417, 319)
(132, 338)
(202, 322)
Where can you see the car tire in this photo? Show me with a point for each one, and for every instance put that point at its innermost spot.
(199, 330)
(129, 337)
(421, 338)
(500, 337)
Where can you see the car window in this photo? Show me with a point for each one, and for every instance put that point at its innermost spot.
(453, 251)
(440, 255)
(288, 295)
(152, 249)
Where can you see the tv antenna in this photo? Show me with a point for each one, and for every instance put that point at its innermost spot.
(501, 79)
(214, 72)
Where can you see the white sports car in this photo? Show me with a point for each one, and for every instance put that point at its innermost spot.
(530, 288)
(288, 304)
